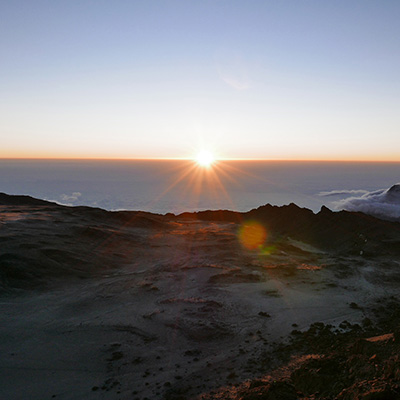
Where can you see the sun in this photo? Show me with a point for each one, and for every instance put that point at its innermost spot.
(205, 158)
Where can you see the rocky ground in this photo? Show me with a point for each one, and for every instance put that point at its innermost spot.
(135, 305)
(351, 361)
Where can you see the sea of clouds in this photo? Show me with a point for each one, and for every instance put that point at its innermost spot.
(383, 203)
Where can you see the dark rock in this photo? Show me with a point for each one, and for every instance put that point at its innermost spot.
(264, 314)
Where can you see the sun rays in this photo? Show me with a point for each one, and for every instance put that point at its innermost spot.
(202, 183)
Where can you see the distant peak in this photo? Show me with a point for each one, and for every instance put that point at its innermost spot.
(292, 206)
(395, 189)
(325, 210)
(393, 194)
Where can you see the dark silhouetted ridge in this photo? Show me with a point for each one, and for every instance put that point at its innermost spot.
(342, 231)
(18, 200)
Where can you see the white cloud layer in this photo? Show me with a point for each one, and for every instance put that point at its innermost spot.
(341, 192)
(71, 198)
(384, 203)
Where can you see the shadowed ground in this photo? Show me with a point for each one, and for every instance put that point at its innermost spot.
(131, 305)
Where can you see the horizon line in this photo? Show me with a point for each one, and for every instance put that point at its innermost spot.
(193, 159)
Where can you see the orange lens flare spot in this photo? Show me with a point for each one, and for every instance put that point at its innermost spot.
(252, 235)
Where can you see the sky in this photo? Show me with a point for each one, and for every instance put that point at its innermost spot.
(243, 79)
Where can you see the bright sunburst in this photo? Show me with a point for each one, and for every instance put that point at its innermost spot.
(205, 158)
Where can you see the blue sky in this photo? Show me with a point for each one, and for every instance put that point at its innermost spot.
(245, 79)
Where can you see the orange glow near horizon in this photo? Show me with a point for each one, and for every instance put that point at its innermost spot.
(52, 156)
(204, 157)
(205, 154)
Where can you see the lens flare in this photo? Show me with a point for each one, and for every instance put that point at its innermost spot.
(252, 235)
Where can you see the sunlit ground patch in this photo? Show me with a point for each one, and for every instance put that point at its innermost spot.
(309, 267)
(294, 266)
(18, 215)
